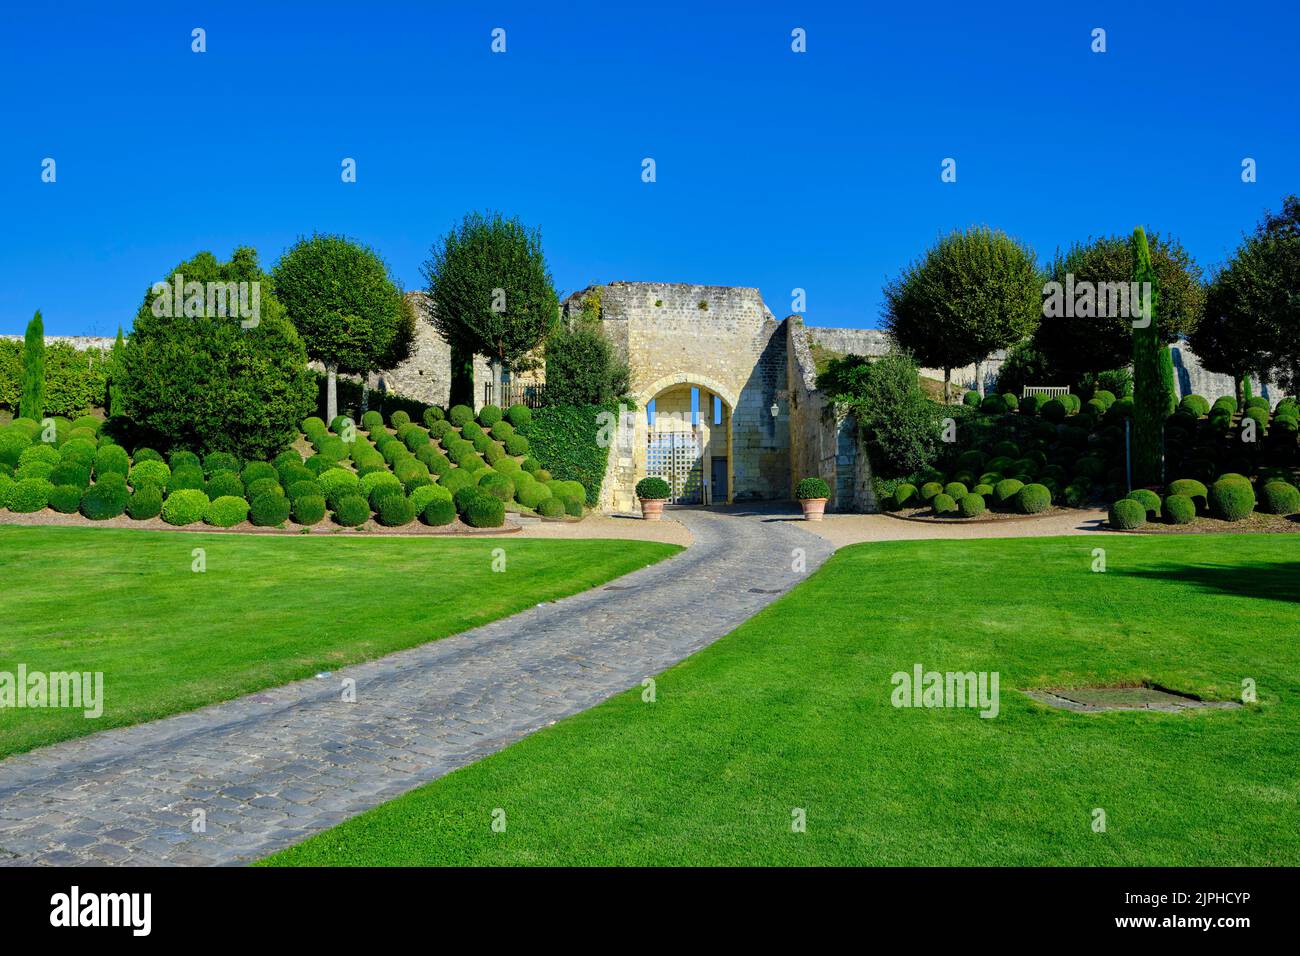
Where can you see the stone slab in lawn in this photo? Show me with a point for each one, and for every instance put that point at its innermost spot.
(1097, 699)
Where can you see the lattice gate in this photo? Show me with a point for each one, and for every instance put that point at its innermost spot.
(676, 458)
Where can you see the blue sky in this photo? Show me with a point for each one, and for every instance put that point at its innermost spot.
(774, 169)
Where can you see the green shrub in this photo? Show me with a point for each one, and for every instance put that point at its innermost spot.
(217, 461)
(519, 415)
(372, 420)
(421, 496)
(906, 495)
(456, 479)
(257, 470)
(992, 405)
(65, 499)
(29, 495)
(70, 473)
(502, 430)
(472, 430)
(150, 472)
(1127, 515)
(184, 507)
(264, 486)
(1180, 509)
(482, 443)
(415, 438)
(1054, 410)
(1006, 490)
(224, 484)
(111, 458)
(460, 414)
(1232, 499)
(542, 475)
(6, 489)
(225, 512)
(930, 489)
(399, 418)
(943, 504)
(441, 430)
(551, 508)
(1194, 405)
(438, 512)
(308, 488)
(1148, 499)
(573, 506)
(517, 445)
(395, 510)
(497, 484)
(187, 476)
(145, 503)
(1033, 499)
(484, 511)
(955, 490)
(812, 488)
(971, 506)
(489, 415)
(351, 511)
(982, 490)
(184, 458)
(651, 488)
(532, 493)
(1279, 498)
(270, 510)
(971, 399)
(308, 509)
(35, 469)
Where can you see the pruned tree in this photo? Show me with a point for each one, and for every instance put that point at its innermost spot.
(347, 309)
(974, 292)
(1152, 398)
(32, 403)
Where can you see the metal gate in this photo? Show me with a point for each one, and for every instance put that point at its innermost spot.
(676, 458)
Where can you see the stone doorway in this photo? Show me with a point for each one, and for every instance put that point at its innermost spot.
(688, 438)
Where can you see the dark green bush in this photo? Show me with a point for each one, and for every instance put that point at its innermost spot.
(460, 414)
(438, 512)
(183, 458)
(497, 484)
(971, 506)
(270, 510)
(29, 495)
(971, 399)
(1279, 498)
(456, 479)
(1148, 499)
(489, 415)
(104, 500)
(573, 506)
(517, 445)
(395, 510)
(906, 495)
(1054, 410)
(651, 488)
(145, 503)
(351, 511)
(225, 512)
(372, 420)
(930, 489)
(1232, 499)
(484, 511)
(217, 461)
(184, 507)
(70, 473)
(1195, 405)
(956, 490)
(1033, 499)
(812, 488)
(943, 505)
(111, 458)
(399, 418)
(308, 509)
(65, 499)
(551, 508)
(531, 493)
(519, 415)
(1179, 509)
(1127, 515)
(1006, 490)
(224, 484)
(264, 486)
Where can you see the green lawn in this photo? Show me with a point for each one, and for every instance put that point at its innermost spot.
(793, 711)
(268, 609)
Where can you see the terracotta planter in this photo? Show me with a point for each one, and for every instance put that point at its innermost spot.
(813, 508)
(652, 509)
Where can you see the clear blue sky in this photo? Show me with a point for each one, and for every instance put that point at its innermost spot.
(775, 169)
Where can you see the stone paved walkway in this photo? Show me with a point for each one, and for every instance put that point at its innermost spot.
(271, 768)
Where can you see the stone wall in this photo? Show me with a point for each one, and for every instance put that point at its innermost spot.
(79, 342)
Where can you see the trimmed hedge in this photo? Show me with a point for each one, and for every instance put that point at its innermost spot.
(489, 415)
(460, 414)
(308, 509)
(104, 500)
(1127, 515)
(810, 488)
(971, 506)
(1033, 499)
(1180, 509)
(551, 508)
(1005, 491)
(264, 486)
(224, 484)
(111, 458)
(29, 495)
(65, 499)
(497, 485)
(1148, 499)
(185, 506)
(1279, 498)
(956, 490)
(651, 488)
(563, 439)
(930, 490)
(484, 511)
(223, 461)
(517, 445)
(270, 510)
(225, 512)
(351, 511)
(438, 512)
(1232, 499)
(395, 510)
(943, 504)
(519, 415)
(146, 503)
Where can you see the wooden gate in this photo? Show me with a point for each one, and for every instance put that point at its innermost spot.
(675, 457)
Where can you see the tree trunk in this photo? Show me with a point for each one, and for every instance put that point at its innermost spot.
(462, 376)
(947, 377)
(331, 393)
(497, 365)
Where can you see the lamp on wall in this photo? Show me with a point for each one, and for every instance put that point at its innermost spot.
(775, 409)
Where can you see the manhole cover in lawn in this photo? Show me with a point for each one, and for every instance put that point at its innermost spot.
(1096, 699)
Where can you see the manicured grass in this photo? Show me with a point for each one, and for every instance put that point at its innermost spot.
(268, 609)
(793, 710)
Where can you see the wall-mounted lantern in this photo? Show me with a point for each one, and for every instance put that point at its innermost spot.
(775, 409)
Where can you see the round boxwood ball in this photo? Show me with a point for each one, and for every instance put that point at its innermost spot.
(930, 489)
(1127, 515)
(372, 420)
(112, 458)
(1006, 490)
(1275, 498)
(1033, 499)
(551, 508)
(1149, 500)
(264, 486)
(495, 483)
(104, 500)
(943, 504)
(225, 484)
(1180, 509)
(1054, 410)
(971, 506)
(971, 399)
(399, 418)
(270, 510)
(982, 490)
(489, 415)
(1232, 499)
(65, 499)
(308, 509)
(955, 490)
(222, 461)
(516, 445)
(519, 415)
(145, 503)
(484, 511)
(185, 506)
(438, 512)
(905, 494)
(395, 510)
(225, 512)
(460, 414)
(351, 511)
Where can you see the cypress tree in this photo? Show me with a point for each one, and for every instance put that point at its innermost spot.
(1150, 391)
(116, 372)
(32, 403)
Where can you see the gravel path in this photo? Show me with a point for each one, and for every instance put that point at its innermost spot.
(266, 770)
(846, 529)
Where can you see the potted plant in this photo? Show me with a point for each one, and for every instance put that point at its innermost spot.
(653, 492)
(812, 494)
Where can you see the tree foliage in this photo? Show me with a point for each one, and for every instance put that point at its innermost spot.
(900, 425)
(1079, 344)
(582, 367)
(1152, 400)
(206, 383)
(974, 292)
(32, 403)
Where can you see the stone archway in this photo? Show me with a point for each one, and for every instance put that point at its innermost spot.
(684, 437)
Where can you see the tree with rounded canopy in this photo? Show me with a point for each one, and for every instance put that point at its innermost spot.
(209, 382)
(1088, 342)
(347, 309)
(492, 293)
(1252, 308)
(974, 292)
(32, 403)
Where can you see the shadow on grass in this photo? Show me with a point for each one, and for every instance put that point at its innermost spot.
(1266, 580)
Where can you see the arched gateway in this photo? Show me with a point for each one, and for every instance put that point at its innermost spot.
(687, 436)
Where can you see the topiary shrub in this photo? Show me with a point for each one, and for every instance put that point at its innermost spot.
(971, 399)
(906, 495)
(484, 511)
(956, 490)
(395, 510)
(264, 486)
(438, 512)
(372, 421)
(351, 511)
(149, 472)
(497, 484)
(519, 415)
(471, 430)
(489, 415)
(502, 430)
(460, 414)
(270, 510)
(551, 508)
(531, 493)
(1006, 490)
(421, 496)
(1148, 499)
(225, 461)
(185, 506)
(482, 443)
(516, 445)
(308, 509)
(1054, 410)
(29, 495)
(573, 507)
(65, 499)
(1179, 509)
(1033, 499)
(225, 512)
(650, 488)
(145, 503)
(1275, 498)
(1127, 515)
(982, 489)
(1232, 499)
(1194, 405)
(942, 504)
(224, 484)
(810, 488)
(104, 500)
(257, 470)
(71, 473)
(109, 459)
(305, 489)
(930, 489)
(399, 418)
(35, 469)
(971, 506)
